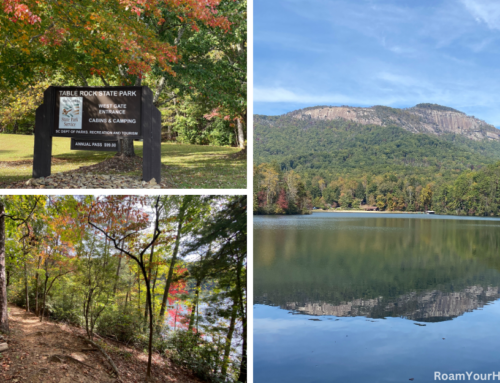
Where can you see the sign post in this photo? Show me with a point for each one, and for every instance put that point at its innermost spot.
(92, 115)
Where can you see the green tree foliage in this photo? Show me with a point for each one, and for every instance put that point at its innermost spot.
(277, 192)
(225, 235)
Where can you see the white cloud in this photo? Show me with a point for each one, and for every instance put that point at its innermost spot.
(487, 11)
(278, 94)
(400, 80)
(284, 95)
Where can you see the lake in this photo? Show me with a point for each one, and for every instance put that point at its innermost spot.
(370, 298)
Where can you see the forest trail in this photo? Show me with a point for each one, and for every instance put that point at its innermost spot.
(52, 352)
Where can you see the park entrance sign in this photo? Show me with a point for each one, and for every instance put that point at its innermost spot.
(92, 116)
(98, 112)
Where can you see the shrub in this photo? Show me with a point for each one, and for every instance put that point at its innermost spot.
(189, 349)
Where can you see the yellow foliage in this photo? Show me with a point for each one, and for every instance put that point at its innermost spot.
(17, 107)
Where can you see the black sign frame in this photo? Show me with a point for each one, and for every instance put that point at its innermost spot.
(150, 128)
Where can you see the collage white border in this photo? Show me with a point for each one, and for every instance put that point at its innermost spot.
(248, 191)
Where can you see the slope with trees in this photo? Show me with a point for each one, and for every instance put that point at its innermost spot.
(166, 273)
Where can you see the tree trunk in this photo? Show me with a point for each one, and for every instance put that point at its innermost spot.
(126, 147)
(195, 304)
(119, 262)
(37, 311)
(117, 274)
(139, 295)
(4, 318)
(126, 300)
(154, 286)
(88, 314)
(150, 345)
(44, 296)
(26, 286)
(241, 134)
(241, 290)
(149, 278)
(129, 296)
(182, 211)
(229, 338)
(159, 88)
(243, 368)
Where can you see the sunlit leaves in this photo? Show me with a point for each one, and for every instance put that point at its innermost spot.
(112, 37)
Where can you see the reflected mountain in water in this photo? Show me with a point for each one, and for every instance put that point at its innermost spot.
(342, 273)
(425, 270)
(432, 306)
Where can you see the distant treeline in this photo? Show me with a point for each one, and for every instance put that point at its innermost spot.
(474, 192)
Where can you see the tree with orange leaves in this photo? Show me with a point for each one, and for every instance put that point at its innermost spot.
(108, 39)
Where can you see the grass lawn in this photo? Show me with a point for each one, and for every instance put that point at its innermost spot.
(189, 166)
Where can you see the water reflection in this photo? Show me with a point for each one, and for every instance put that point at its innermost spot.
(431, 306)
(434, 281)
(421, 269)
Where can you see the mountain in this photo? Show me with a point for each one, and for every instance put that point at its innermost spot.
(342, 146)
(422, 118)
(428, 157)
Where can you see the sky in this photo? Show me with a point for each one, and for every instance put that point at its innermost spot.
(395, 53)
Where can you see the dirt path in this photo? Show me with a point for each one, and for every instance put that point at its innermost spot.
(50, 352)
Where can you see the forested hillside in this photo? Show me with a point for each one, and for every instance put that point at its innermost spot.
(165, 274)
(342, 163)
(345, 147)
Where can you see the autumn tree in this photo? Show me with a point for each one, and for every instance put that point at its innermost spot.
(182, 216)
(282, 202)
(177, 47)
(109, 39)
(112, 210)
(103, 263)
(268, 181)
(426, 196)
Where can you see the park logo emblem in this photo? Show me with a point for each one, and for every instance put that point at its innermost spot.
(70, 112)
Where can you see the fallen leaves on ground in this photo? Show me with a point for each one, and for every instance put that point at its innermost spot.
(51, 352)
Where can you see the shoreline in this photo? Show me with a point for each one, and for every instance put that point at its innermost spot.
(370, 212)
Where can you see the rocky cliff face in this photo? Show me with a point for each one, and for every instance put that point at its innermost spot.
(422, 118)
(430, 306)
